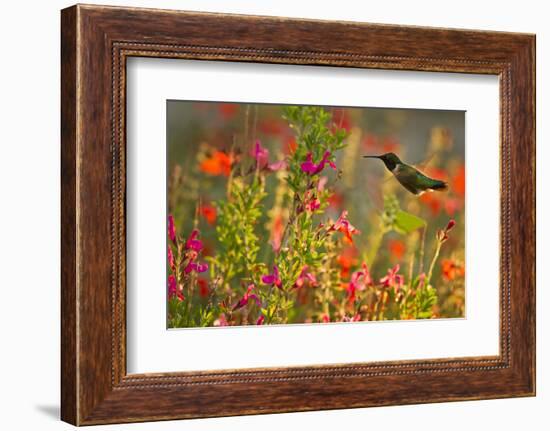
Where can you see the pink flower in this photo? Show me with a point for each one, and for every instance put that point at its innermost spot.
(325, 318)
(247, 297)
(193, 243)
(171, 260)
(311, 168)
(260, 320)
(312, 203)
(194, 266)
(273, 279)
(359, 282)
(356, 318)
(305, 277)
(261, 155)
(173, 291)
(393, 278)
(344, 226)
(322, 183)
(172, 229)
(221, 321)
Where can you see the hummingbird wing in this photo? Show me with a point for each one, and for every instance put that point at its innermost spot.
(415, 181)
(408, 177)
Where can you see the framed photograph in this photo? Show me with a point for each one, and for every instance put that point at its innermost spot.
(266, 215)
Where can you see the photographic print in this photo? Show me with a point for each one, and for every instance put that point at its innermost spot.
(283, 214)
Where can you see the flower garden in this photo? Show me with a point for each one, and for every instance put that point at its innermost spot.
(275, 218)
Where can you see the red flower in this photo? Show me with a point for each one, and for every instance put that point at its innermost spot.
(204, 291)
(209, 213)
(171, 260)
(344, 226)
(173, 290)
(442, 234)
(273, 278)
(397, 248)
(217, 164)
(247, 297)
(260, 320)
(305, 277)
(393, 279)
(172, 229)
(311, 168)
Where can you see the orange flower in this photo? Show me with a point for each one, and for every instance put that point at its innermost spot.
(347, 259)
(432, 202)
(209, 213)
(390, 144)
(290, 145)
(218, 164)
(228, 110)
(370, 141)
(277, 230)
(397, 248)
(451, 269)
(459, 181)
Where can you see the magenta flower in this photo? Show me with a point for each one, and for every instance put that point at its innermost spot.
(193, 243)
(311, 168)
(173, 291)
(393, 279)
(260, 320)
(344, 226)
(261, 155)
(247, 297)
(171, 260)
(194, 266)
(305, 277)
(172, 229)
(322, 183)
(273, 279)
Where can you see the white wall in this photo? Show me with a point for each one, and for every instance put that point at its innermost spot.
(29, 216)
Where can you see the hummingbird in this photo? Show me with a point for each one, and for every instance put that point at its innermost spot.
(410, 178)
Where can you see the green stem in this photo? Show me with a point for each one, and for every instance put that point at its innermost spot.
(432, 265)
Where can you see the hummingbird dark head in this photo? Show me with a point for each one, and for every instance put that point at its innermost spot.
(389, 159)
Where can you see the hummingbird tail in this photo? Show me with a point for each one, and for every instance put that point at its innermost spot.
(439, 186)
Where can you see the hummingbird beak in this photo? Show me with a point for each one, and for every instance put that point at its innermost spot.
(371, 157)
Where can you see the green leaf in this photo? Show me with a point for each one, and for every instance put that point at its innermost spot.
(406, 222)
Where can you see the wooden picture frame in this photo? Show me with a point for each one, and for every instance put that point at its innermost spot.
(95, 43)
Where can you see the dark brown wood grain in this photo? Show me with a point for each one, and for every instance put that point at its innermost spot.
(96, 41)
